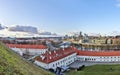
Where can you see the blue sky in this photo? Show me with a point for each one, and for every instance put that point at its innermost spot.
(61, 16)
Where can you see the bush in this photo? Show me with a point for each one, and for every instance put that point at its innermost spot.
(80, 68)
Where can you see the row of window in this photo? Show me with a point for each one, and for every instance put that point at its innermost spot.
(89, 59)
(111, 57)
(67, 61)
(100, 59)
(110, 60)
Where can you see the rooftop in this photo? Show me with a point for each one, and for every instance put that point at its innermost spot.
(51, 56)
(27, 46)
(98, 53)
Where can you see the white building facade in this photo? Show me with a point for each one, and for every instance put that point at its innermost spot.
(57, 58)
(99, 58)
(28, 49)
(58, 63)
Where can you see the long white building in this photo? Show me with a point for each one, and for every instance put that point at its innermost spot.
(28, 49)
(98, 56)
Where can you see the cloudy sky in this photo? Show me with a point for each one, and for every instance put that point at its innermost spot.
(61, 16)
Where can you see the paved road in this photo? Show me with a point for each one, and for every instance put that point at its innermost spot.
(77, 64)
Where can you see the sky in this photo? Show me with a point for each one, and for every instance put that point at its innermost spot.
(62, 16)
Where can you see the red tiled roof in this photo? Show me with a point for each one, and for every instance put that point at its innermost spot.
(27, 46)
(55, 55)
(98, 53)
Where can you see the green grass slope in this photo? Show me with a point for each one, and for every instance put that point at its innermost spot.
(12, 64)
(97, 70)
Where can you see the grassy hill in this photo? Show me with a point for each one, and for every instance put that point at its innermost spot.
(98, 70)
(12, 64)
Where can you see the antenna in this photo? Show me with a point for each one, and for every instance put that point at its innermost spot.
(43, 57)
(50, 57)
(49, 52)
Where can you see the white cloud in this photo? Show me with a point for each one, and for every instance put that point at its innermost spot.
(117, 0)
(118, 5)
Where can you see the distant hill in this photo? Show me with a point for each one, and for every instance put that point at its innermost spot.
(12, 64)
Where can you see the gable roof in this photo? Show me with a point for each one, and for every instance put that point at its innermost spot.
(98, 53)
(27, 46)
(51, 56)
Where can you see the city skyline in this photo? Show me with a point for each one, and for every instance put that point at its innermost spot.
(62, 16)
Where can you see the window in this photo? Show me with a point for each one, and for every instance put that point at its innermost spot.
(61, 61)
(53, 65)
